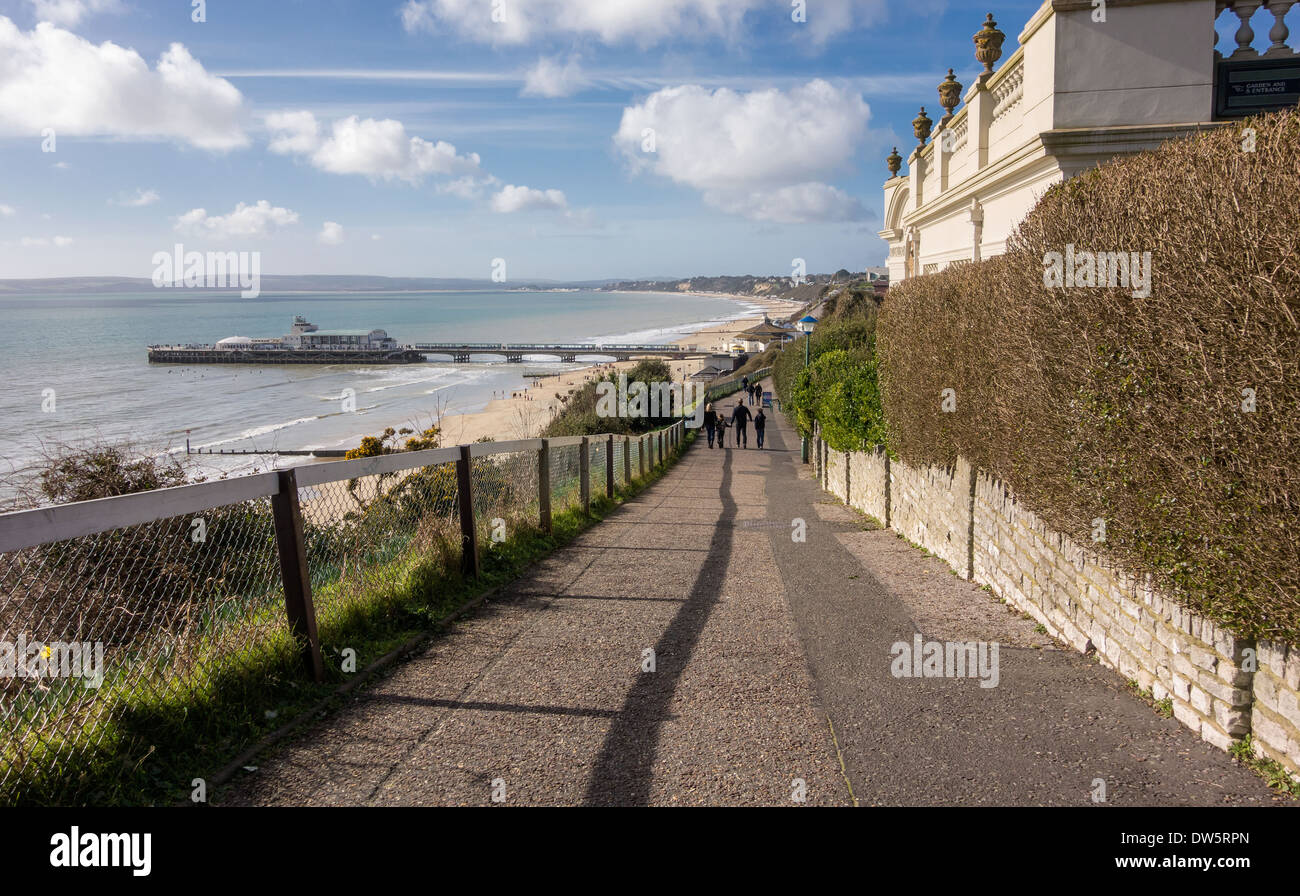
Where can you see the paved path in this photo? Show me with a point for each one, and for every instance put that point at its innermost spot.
(771, 678)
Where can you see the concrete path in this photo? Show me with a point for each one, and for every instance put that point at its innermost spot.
(771, 679)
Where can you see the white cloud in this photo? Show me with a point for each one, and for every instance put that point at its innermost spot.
(643, 21)
(797, 204)
(7, 211)
(70, 12)
(52, 78)
(469, 187)
(245, 221)
(40, 242)
(141, 198)
(375, 148)
(761, 154)
(331, 234)
(522, 199)
(548, 78)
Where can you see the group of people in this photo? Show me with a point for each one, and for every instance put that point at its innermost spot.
(716, 425)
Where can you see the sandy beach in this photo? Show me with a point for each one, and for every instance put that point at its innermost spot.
(523, 414)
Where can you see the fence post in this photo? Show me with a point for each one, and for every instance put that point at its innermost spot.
(298, 606)
(640, 456)
(627, 461)
(661, 447)
(584, 477)
(544, 484)
(609, 467)
(468, 533)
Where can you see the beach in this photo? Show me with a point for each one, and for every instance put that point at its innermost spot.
(524, 413)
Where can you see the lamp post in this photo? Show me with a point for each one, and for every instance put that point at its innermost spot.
(806, 325)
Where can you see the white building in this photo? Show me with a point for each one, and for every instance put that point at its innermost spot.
(307, 335)
(1082, 87)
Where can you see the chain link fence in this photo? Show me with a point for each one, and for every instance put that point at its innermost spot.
(124, 620)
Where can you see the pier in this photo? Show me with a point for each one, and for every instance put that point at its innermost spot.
(514, 352)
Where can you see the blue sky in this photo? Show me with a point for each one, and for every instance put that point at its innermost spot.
(433, 139)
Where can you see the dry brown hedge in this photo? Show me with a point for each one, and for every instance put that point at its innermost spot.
(1092, 403)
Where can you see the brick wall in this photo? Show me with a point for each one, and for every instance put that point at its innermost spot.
(1221, 686)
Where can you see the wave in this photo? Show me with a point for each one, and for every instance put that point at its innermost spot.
(258, 431)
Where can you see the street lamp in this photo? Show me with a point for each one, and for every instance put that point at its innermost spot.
(806, 325)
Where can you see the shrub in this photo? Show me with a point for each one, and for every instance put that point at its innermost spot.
(1173, 417)
(578, 417)
(123, 583)
(839, 387)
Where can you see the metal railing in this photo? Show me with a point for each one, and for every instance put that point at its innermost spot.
(122, 615)
(732, 386)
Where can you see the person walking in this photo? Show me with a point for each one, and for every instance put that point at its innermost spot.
(760, 424)
(710, 422)
(740, 419)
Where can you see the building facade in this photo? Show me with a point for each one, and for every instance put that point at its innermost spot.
(1088, 82)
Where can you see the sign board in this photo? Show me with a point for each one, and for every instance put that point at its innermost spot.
(1256, 85)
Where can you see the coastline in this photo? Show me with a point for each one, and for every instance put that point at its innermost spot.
(523, 414)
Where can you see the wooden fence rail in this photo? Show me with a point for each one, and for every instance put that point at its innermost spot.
(25, 529)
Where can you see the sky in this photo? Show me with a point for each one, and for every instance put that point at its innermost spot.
(574, 139)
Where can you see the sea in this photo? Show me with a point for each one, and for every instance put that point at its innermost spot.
(74, 371)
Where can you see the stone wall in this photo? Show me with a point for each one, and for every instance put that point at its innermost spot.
(869, 484)
(1221, 686)
(834, 478)
(931, 507)
(1275, 720)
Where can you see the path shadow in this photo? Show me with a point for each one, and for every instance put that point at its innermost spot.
(623, 771)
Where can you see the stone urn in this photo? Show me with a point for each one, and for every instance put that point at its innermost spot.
(949, 96)
(921, 125)
(895, 162)
(988, 44)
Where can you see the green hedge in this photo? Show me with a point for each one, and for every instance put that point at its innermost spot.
(839, 387)
(1173, 416)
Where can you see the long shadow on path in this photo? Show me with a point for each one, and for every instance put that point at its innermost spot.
(624, 768)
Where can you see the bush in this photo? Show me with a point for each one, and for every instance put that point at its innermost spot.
(139, 580)
(579, 417)
(1172, 417)
(839, 387)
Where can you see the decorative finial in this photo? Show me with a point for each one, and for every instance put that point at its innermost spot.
(988, 44)
(895, 162)
(921, 126)
(949, 96)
